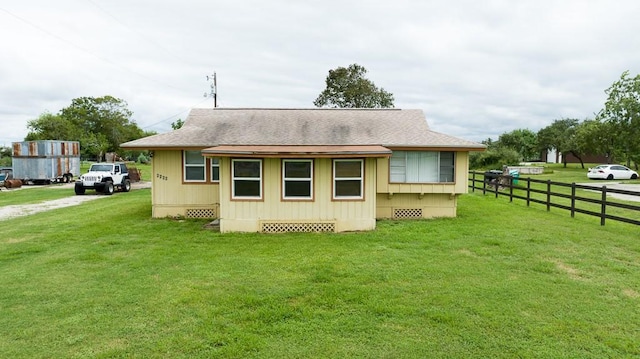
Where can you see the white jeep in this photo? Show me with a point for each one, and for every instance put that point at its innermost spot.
(105, 178)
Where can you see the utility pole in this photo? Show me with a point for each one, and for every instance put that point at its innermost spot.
(214, 89)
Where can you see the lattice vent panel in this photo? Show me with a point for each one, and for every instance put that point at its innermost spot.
(201, 213)
(407, 213)
(298, 227)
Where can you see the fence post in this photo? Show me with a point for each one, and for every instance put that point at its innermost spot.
(528, 191)
(497, 185)
(473, 181)
(548, 195)
(510, 188)
(603, 206)
(573, 199)
(484, 185)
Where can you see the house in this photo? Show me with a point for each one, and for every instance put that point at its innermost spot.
(276, 170)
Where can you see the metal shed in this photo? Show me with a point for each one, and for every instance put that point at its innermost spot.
(46, 161)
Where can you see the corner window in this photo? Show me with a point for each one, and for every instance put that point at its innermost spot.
(297, 179)
(246, 179)
(348, 179)
(194, 166)
(215, 170)
(422, 166)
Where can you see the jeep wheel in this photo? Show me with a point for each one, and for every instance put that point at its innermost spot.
(126, 185)
(108, 188)
(79, 189)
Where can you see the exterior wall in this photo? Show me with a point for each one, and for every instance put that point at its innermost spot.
(457, 187)
(171, 197)
(420, 200)
(251, 215)
(46, 160)
(414, 206)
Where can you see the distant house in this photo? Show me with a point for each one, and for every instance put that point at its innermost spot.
(277, 170)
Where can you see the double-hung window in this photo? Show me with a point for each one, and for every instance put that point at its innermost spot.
(348, 179)
(246, 179)
(215, 170)
(422, 166)
(194, 166)
(297, 179)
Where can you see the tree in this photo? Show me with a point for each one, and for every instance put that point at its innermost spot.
(178, 124)
(348, 88)
(561, 135)
(5, 156)
(51, 127)
(596, 137)
(100, 124)
(523, 141)
(622, 112)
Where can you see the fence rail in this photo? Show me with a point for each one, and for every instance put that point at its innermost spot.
(512, 187)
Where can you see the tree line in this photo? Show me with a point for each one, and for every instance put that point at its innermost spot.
(102, 124)
(614, 132)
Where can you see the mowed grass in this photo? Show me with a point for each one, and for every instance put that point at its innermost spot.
(30, 194)
(104, 280)
(573, 173)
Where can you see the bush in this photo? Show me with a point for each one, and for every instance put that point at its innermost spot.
(493, 158)
(143, 159)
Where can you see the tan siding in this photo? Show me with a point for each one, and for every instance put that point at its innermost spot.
(248, 215)
(170, 196)
(459, 186)
(431, 205)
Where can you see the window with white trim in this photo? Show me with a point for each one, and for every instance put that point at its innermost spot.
(422, 166)
(348, 179)
(246, 179)
(297, 179)
(215, 169)
(194, 166)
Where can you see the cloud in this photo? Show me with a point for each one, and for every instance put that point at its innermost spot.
(477, 69)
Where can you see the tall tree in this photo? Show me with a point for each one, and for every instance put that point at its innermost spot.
(100, 124)
(561, 135)
(51, 127)
(596, 137)
(523, 141)
(348, 88)
(622, 111)
(178, 124)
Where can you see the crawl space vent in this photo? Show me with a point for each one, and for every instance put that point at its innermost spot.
(200, 213)
(407, 213)
(298, 227)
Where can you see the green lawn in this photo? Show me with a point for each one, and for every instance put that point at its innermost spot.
(103, 280)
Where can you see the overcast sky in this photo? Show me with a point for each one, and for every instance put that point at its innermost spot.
(476, 68)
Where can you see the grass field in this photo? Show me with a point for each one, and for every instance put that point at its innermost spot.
(104, 280)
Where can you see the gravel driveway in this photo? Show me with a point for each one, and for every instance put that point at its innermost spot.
(13, 211)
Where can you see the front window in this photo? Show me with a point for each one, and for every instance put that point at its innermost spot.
(194, 166)
(422, 166)
(297, 179)
(348, 179)
(246, 179)
(215, 170)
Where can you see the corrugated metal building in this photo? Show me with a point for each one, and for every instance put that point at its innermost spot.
(46, 161)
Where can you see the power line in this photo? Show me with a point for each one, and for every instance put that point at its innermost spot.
(173, 116)
(80, 48)
(140, 34)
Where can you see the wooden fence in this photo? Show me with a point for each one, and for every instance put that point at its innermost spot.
(520, 188)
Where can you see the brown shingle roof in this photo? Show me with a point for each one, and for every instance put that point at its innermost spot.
(385, 127)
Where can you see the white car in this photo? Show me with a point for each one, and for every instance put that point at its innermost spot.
(610, 172)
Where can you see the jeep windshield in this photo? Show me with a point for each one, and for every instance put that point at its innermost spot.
(100, 168)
